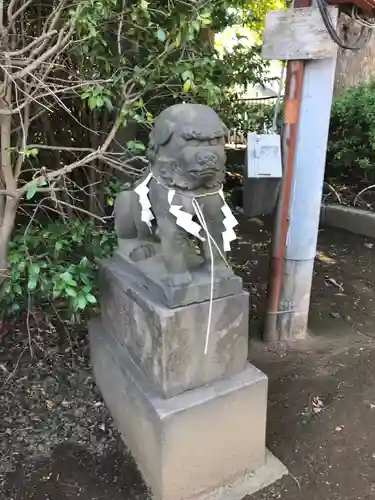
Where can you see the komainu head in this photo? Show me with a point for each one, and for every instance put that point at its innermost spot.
(186, 148)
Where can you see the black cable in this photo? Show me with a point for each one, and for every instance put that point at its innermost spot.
(327, 19)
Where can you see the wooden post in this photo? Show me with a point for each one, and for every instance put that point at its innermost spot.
(297, 221)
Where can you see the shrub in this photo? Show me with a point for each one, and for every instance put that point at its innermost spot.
(246, 116)
(351, 145)
(55, 264)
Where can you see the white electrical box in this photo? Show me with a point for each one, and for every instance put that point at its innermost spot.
(263, 156)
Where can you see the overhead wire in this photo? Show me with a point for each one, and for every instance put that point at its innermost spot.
(364, 34)
(359, 19)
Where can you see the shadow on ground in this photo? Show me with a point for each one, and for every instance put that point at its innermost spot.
(321, 421)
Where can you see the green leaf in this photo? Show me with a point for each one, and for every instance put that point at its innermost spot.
(30, 193)
(84, 262)
(108, 103)
(161, 35)
(33, 152)
(196, 25)
(81, 302)
(68, 278)
(70, 291)
(187, 85)
(58, 246)
(34, 268)
(99, 101)
(91, 299)
(187, 75)
(92, 102)
(15, 307)
(136, 146)
(32, 282)
(178, 39)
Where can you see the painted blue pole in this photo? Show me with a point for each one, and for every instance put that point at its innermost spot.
(306, 198)
(290, 321)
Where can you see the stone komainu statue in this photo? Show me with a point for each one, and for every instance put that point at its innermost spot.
(187, 168)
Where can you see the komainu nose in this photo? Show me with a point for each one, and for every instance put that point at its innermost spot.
(206, 157)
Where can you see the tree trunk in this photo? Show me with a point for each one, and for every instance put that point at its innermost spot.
(8, 204)
(6, 230)
(353, 66)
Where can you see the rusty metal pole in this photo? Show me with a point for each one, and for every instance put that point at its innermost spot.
(292, 103)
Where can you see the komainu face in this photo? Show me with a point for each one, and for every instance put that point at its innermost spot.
(186, 149)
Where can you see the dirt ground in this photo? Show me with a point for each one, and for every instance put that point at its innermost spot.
(58, 442)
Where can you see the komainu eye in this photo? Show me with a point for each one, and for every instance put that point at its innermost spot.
(194, 142)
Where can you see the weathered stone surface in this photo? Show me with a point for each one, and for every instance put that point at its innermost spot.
(194, 443)
(154, 277)
(168, 344)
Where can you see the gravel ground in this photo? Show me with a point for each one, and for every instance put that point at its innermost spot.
(47, 399)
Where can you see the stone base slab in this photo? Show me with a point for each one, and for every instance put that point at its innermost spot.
(168, 344)
(152, 275)
(192, 446)
(249, 483)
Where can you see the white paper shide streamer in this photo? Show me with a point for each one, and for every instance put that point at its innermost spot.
(185, 221)
(142, 191)
(230, 222)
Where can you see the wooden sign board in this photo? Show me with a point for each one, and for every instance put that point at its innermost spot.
(298, 34)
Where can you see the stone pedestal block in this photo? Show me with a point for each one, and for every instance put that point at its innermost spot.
(152, 275)
(206, 444)
(168, 344)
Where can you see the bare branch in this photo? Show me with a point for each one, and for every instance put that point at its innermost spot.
(56, 174)
(54, 17)
(37, 115)
(43, 205)
(36, 97)
(25, 124)
(1, 16)
(11, 194)
(60, 148)
(11, 6)
(61, 171)
(90, 214)
(20, 52)
(62, 40)
(124, 167)
(13, 17)
(119, 30)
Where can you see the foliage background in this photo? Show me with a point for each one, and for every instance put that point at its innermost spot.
(351, 146)
(132, 59)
